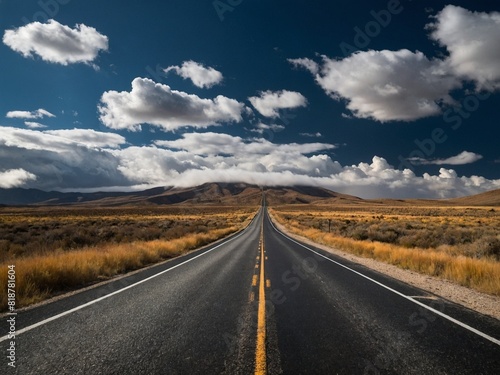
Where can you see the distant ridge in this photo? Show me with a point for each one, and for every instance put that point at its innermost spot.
(222, 194)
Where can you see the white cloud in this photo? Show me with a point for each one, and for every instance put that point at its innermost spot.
(39, 113)
(472, 40)
(15, 178)
(219, 143)
(311, 135)
(58, 140)
(387, 85)
(201, 76)
(268, 103)
(89, 137)
(157, 104)
(57, 43)
(34, 125)
(465, 157)
(262, 128)
(406, 86)
(306, 63)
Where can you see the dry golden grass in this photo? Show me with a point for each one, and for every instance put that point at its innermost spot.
(474, 264)
(42, 273)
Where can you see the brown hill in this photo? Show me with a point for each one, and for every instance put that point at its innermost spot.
(490, 198)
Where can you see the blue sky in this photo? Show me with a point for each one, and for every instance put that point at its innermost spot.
(371, 98)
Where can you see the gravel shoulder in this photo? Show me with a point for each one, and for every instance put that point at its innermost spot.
(483, 303)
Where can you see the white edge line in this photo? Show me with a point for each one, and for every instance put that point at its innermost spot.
(45, 321)
(453, 320)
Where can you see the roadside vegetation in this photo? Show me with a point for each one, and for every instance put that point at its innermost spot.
(461, 244)
(58, 250)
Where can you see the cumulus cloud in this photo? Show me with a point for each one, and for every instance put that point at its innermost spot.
(368, 180)
(406, 86)
(157, 104)
(201, 76)
(39, 113)
(471, 39)
(268, 103)
(387, 85)
(465, 157)
(57, 43)
(379, 179)
(15, 178)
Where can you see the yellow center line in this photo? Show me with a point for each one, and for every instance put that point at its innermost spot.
(260, 352)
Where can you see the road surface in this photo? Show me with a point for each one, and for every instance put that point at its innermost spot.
(255, 303)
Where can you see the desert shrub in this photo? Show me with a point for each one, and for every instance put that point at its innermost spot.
(488, 246)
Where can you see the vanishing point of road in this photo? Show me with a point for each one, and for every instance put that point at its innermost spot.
(257, 302)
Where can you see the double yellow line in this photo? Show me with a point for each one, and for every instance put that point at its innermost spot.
(260, 352)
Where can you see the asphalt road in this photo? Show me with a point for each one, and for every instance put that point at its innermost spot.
(258, 302)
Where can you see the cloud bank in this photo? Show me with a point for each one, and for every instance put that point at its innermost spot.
(57, 43)
(81, 159)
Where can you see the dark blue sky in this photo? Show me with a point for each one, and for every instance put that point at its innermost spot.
(350, 121)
